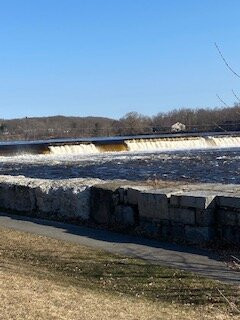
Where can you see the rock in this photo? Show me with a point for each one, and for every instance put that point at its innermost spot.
(17, 197)
(182, 215)
(193, 199)
(229, 201)
(231, 234)
(153, 205)
(102, 203)
(199, 235)
(124, 215)
(60, 198)
(205, 217)
(227, 217)
(133, 194)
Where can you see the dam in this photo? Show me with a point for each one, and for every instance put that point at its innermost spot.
(205, 157)
(141, 143)
(178, 187)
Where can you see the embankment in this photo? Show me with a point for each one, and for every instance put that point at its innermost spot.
(191, 213)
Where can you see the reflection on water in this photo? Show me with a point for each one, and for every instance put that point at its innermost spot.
(205, 166)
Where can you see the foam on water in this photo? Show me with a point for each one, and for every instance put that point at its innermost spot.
(205, 159)
(74, 149)
(190, 143)
(148, 145)
(207, 165)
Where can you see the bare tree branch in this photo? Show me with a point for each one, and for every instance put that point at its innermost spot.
(236, 96)
(225, 61)
(219, 98)
(225, 102)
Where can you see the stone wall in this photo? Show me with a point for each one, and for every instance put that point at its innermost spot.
(228, 218)
(54, 199)
(194, 213)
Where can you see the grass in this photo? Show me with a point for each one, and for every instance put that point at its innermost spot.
(43, 278)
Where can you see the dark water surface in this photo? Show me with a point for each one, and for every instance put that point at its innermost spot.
(204, 165)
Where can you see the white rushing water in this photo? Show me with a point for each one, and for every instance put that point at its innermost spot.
(156, 144)
(219, 158)
(185, 143)
(74, 149)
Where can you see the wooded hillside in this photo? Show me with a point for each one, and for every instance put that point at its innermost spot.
(195, 120)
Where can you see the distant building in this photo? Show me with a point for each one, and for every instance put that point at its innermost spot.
(178, 127)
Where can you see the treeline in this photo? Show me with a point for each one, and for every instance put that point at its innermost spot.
(195, 120)
(54, 127)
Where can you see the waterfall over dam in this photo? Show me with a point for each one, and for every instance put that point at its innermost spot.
(170, 142)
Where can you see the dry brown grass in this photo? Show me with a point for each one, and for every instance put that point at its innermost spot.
(42, 278)
(156, 183)
(27, 297)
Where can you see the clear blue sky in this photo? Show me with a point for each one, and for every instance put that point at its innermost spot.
(109, 57)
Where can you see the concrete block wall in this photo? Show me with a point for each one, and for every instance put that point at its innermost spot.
(196, 217)
(53, 199)
(228, 218)
(196, 214)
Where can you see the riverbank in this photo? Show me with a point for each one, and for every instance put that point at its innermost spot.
(47, 278)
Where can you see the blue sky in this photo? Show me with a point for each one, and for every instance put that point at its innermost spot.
(109, 57)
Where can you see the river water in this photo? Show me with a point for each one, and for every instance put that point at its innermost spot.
(213, 165)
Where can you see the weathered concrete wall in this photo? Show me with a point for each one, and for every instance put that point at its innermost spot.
(228, 222)
(57, 199)
(196, 213)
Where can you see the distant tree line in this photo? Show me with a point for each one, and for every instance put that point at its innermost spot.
(195, 120)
